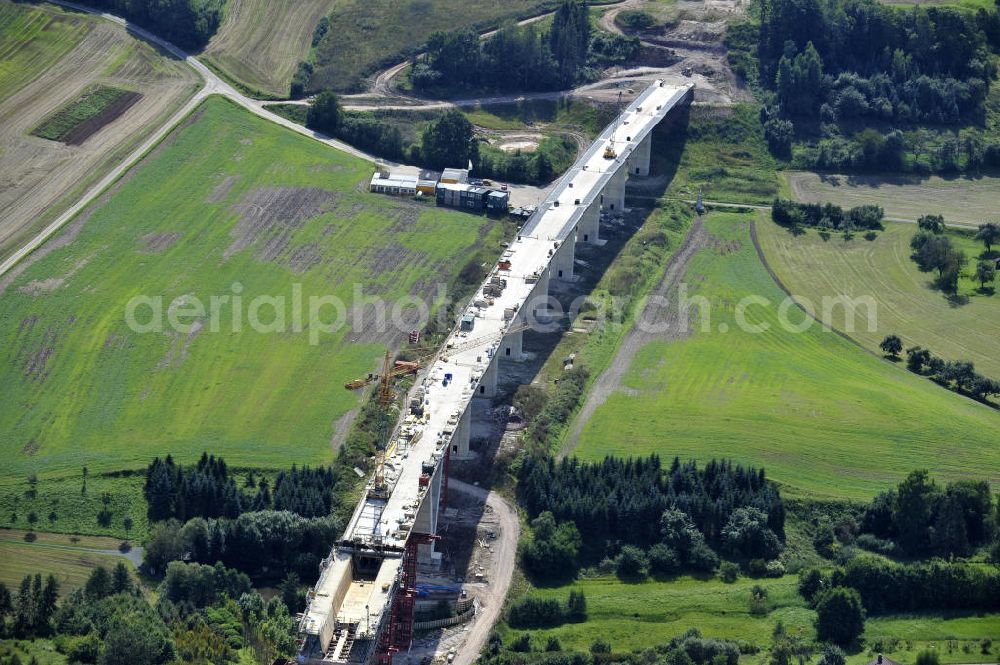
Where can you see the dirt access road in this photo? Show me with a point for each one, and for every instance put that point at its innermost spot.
(653, 317)
(492, 597)
(694, 42)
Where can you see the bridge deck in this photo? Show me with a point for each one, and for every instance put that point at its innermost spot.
(387, 522)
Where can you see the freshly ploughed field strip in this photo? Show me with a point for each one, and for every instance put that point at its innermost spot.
(51, 58)
(86, 115)
(824, 417)
(227, 198)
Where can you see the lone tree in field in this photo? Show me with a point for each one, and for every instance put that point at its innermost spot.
(986, 271)
(932, 223)
(891, 346)
(325, 113)
(840, 616)
(989, 233)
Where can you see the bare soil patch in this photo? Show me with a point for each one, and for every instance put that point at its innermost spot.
(269, 216)
(221, 191)
(37, 287)
(86, 129)
(154, 243)
(687, 47)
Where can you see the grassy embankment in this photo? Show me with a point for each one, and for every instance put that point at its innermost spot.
(907, 304)
(723, 156)
(227, 199)
(823, 417)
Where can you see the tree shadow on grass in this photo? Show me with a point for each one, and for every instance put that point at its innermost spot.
(956, 299)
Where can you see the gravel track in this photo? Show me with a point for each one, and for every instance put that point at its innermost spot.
(492, 598)
(639, 335)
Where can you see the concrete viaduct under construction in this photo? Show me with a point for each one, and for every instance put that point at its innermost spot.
(361, 609)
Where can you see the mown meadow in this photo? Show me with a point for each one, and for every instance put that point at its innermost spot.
(228, 205)
(824, 417)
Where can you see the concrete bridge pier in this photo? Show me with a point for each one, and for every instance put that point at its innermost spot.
(589, 228)
(511, 347)
(614, 192)
(639, 160)
(488, 384)
(426, 519)
(461, 438)
(562, 260)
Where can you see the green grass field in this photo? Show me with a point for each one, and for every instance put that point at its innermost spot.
(75, 511)
(37, 650)
(227, 199)
(566, 114)
(825, 418)
(93, 102)
(31, 41)
(963, 200)
(907, 303)
(635, 616)
(971, 5)
(71, 561)
(723, 156)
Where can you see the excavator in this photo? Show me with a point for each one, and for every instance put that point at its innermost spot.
(393, 370)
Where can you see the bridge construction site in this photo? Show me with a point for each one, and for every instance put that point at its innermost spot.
(362, 608)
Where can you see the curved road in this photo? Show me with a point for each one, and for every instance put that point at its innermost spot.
(500, 578)
(214, 85)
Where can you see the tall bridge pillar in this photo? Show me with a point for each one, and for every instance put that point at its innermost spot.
(488, 384)
(639, 162)
(614, 191)
(426, 519)
(562, 260)
(511, 346)
(589, 227)
(463, 433)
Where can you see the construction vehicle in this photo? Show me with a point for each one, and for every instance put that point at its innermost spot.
(609, 150)
(392, 370)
